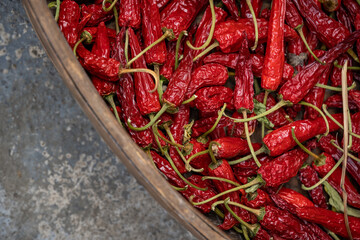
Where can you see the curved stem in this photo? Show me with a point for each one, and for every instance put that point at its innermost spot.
(110, 99)
(325, 177)
(263, 123)
(110, 7)
(302, 146)
(336, 64)
(220, 113)
(211, 153)
(279, 105)
(301, 34)
(177, 48)
(77, 44)
(257, 212)
(126, 48)
(332, 142)
(167, 141)
(353, 55)
(248, 2)
(203, 53)
(144, 70)
(152, 121)
(116, 16)
(249, 140)
(221, 215)
(196, 155)
(320, 112)
(193, 97)
(221, 179)
(180, 175)
(180, 189)
(248, 157)
(57, 11)
(212, 30)
(156, 135)
(160, 39)
(336, 89)
(160, 85)
(245, 233)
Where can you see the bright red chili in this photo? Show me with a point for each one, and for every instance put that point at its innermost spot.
(129, 14)
(69, 17)
(97, 14)
(211, 99)
(230, 147)
(238, 129)
(245, 11)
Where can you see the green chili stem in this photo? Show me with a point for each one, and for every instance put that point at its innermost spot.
(52, 4)
(337, 89)
(248, 2)
(126, 48)
(156, 135)
(257, 212)
(196, 155)
(211, 153)
(249, 140)
(256, 86)
(221, 215)
(336, 122)
(302, 146)
(57, 12)
(159, 87)
(177, 48)
(116, 16)
(144, 70)
(332, 142)
(280, 104)
(220, 113)
(180, 175)
(147, 151)
(203, 53)
(321, 113)
(230, 74)
(152, 121)
(325, 177)
(110, 7)
(301, 34)
(358, 1)
(333, 235)
(336, 64)
(193, 97)
(212, 30)
(263, 123)
(110, 99)
(169, 142)
(248, 157)
(353, 55)
(180, 189)
(77, 44)
(221, 179)
(245, 233)
(350, 127)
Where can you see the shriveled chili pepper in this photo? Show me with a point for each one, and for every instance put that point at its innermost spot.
(207, 75)
(258, 199)
(265, 13)
(179, 14)
(296, 88)
(101, 46)
(203, 124)
(92, 32)
(97, 14)
(230, 147)
(202, 161)
(353, 8)
(354, 95)
(357, 27)
(274, 58)
(147, 101)
(245, 11)
(309, 177)
(69, 17)
(343, 17)
(355, 122)
(210, 99)
(335, 101)
(232, 8)
(238, 129)
(330, 220)
(167, 69)
(161, 3)
(104, 87)
(336, 72)
(249, 168)
(129, 14)
(334, 180)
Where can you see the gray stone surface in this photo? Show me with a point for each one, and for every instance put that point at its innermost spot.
(58, 179)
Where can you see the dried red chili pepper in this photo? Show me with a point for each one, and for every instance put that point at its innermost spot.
(335, 101)
(161, 3)
(230, 147)
(104, 87)
(201, 161)
(354, 95)
(274, 58)
(232, 8)
(353, 8)
(129, 14)
(69, 17)
(97, 14)
(334, 180)
(344, 18)
(336, 72)
(258, 199)
(357, 27)
(167, 69)
(204, 124)
(309, 177)
(92, 33)
(101, 46)
(355, 122)
(249, 168)
(265, 13)
(245, 11)
(207, 75)
(210, 99)
(238, 129)
(179, 14)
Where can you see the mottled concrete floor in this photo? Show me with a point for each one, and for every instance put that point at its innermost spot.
(58, 179)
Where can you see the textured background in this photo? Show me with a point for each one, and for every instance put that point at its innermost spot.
(58, 179)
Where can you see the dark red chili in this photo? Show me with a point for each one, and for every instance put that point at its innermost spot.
(211, 99)
(245, 11)
(336, 72)
(238, 129)
(92, 31)
(129, 14)
(355, 122)
(353, 8)
(69, 17)
(104, 87)
(232, 8)
(258, 199)
(204, 124)
(201, 161)
(101, 46)
(249, 168)
(343, 17)
(167, 69)
(161, 3)
(97, 14)
(335, 101)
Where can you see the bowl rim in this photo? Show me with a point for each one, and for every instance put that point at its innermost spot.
(135, 160)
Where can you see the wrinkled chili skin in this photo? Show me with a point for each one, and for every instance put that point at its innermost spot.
(309, 177)
(355, 122)
(344, 18)
(203, 124)
(353, 8)
(336, 72)
(357, 27)
(328, 31)
(282, 168)
(244, 80)
(161, 3)
(238, 129)
(295, 198)
(355, 96)
(297, 87)
(230, 147)
(292, 15)
(144, 83)
(103, 87)
(151, 31)
(335, 101)
(201, 161)
(226, 59)
(278, 117)
(211, 99)
(232, 8)
(206, 75)
(129, 14)
(330, 220)
(274, 57)
(93, 33)
(249, 168)
(164, 166)
(179, 14)
(223, 170)
(101, 46)
(334, 180)
(167, 69)
(245, 11)
(97, 14)
(262, 235)
(230, 33)
(261, 199)
(69, 16)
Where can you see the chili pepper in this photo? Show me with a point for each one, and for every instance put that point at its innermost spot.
(230, 147)
(336, 72)
(92, 31)
(259, 199)
(312, 41)
(245, 11)
(161, 3)
(296, 88)
(344, 18)
(223, 170)
(335, 101)
(97, 14)
(280, 140)
(207, 75)
(334, 180)
(210, 99)
(230, 34)
(238, 129)
(164, 166)
(357, 27)
(274, 58)
(198, 194)
(232, 8)
(355, 96)
(129, 14)
(102, 44)
(355, 122)
(202, 125)
(249, 168)
(167, 69)
(201, 161)
(179, 14)
(352, 7)
(68, 20)
(330, 220)
(147, 101)
(265, 13)
(278, 118)
(103, 87)
(263, 235)
(309, 177)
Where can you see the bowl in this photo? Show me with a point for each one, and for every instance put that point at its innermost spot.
(135, 160)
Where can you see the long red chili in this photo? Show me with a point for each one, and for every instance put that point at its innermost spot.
(68, 20)
(129, 14)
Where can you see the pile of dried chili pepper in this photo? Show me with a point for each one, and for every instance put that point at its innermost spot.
(250, 109)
